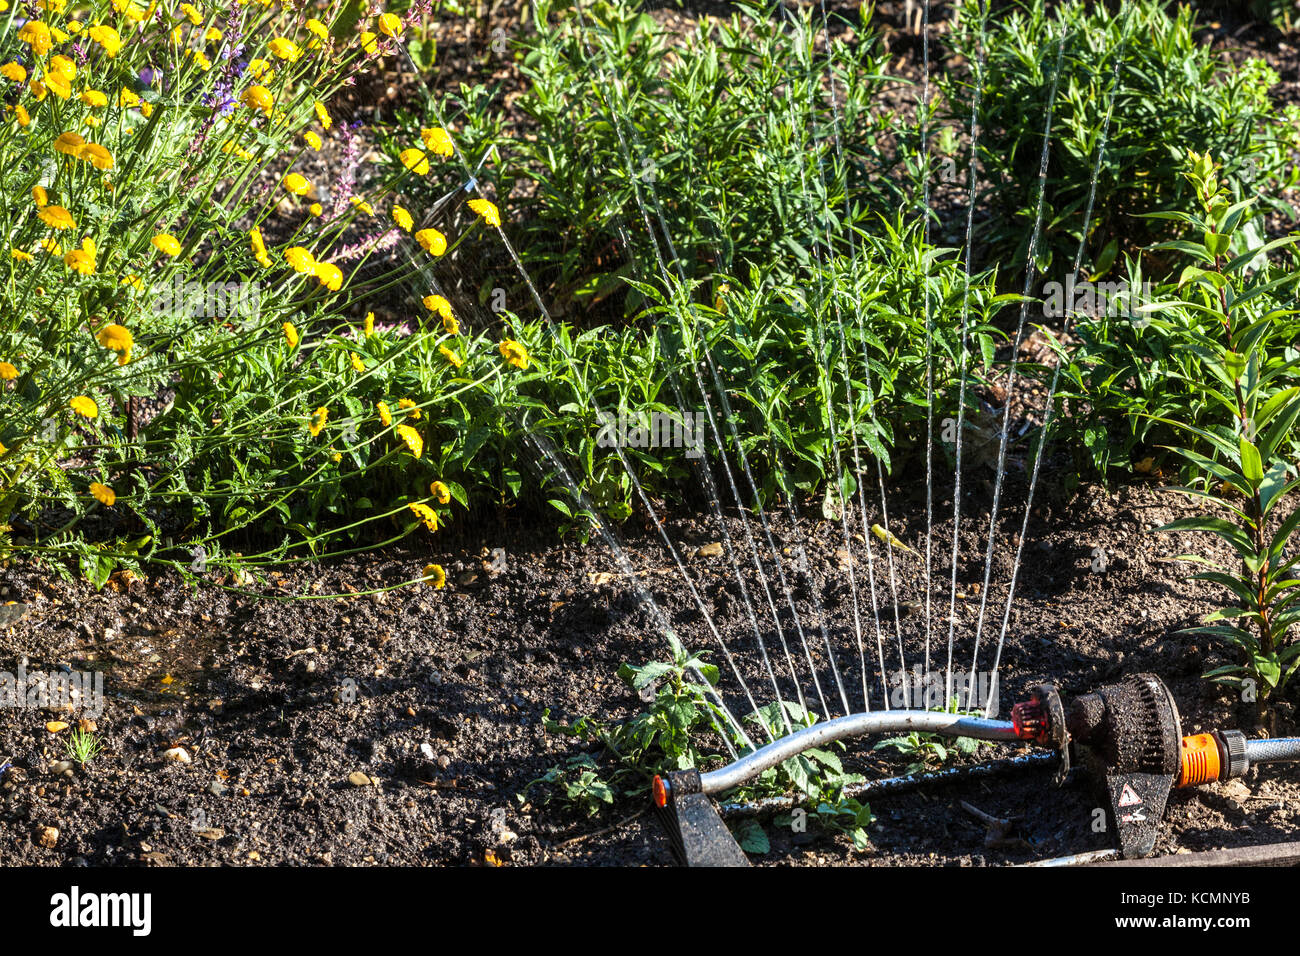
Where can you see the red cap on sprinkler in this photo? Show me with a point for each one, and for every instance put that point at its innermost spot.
(660, 790)
(1030, 720)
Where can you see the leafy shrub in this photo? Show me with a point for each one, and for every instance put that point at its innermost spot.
(729, 135)
(1172, 90)
(1249, 472)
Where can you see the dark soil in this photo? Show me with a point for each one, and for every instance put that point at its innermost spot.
(437, 697)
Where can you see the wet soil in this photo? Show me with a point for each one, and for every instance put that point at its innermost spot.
(400, 728)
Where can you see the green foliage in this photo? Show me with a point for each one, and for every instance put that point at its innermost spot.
(1249, 471)
(729, 134)
(1172, 90)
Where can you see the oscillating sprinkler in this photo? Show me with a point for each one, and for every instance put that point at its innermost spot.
(1127, 736)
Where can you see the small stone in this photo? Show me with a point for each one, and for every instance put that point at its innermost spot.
(62, 767)
(47, 836)
(427, 751)
(178, 754)
(1236, 791)
(359, 779)
(210, 833)
(87, 726)
(713, 550)
(444, 762)
(55, 726)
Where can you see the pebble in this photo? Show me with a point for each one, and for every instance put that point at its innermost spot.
(713, 550)
(359, 779)
(427, 751)
(87, 726)
(62, 767)
(178, 754)
(54, 726)
(47, 836)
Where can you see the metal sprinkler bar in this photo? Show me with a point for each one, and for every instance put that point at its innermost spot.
(1127, 735)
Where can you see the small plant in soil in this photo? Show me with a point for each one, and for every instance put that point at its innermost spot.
(1249, 476)
(83, 746)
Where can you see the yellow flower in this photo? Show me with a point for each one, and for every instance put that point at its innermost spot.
(414, 160)
(58, 85)
(146, 108)
(56, 217)
(313, 139)
(107, 38)
(7, 372)
(438, 142)
(318, 28)
(301, 260)
(40, 196)
(409, 407)
(316, 424)
(69, 143)
(84, 406)
(411, 438)
(83, 261)
(514, 353)
(258, 98)
(402, 218)
(51, 246)
(167, 244)
(322, 115)
(192, 13)
(368, 43)
(330, 276)
(13, 71)
(390, 24)
(201, 59)
(20, 255)
(357, 364)
(96, 155)
(64, 66)
(260, 69)
(21, 113)
(128, 98)
(95, 99)
(258, 244)
(435, 576)
(434, 242)
(37, 36)
(385, 413)
(441, 492)
(368, 325)
(290, 334)
(285, 49)
(425, 514)
(436, 303)
(103, 494)
(116, 337)
(212, 35)
(297, 184)
(316, 209)
(450, 356)
(363, 207)
(489, 213)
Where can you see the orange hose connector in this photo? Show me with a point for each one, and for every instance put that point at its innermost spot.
(1200, 761)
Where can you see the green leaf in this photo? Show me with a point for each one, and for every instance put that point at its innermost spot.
(1251, 467)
